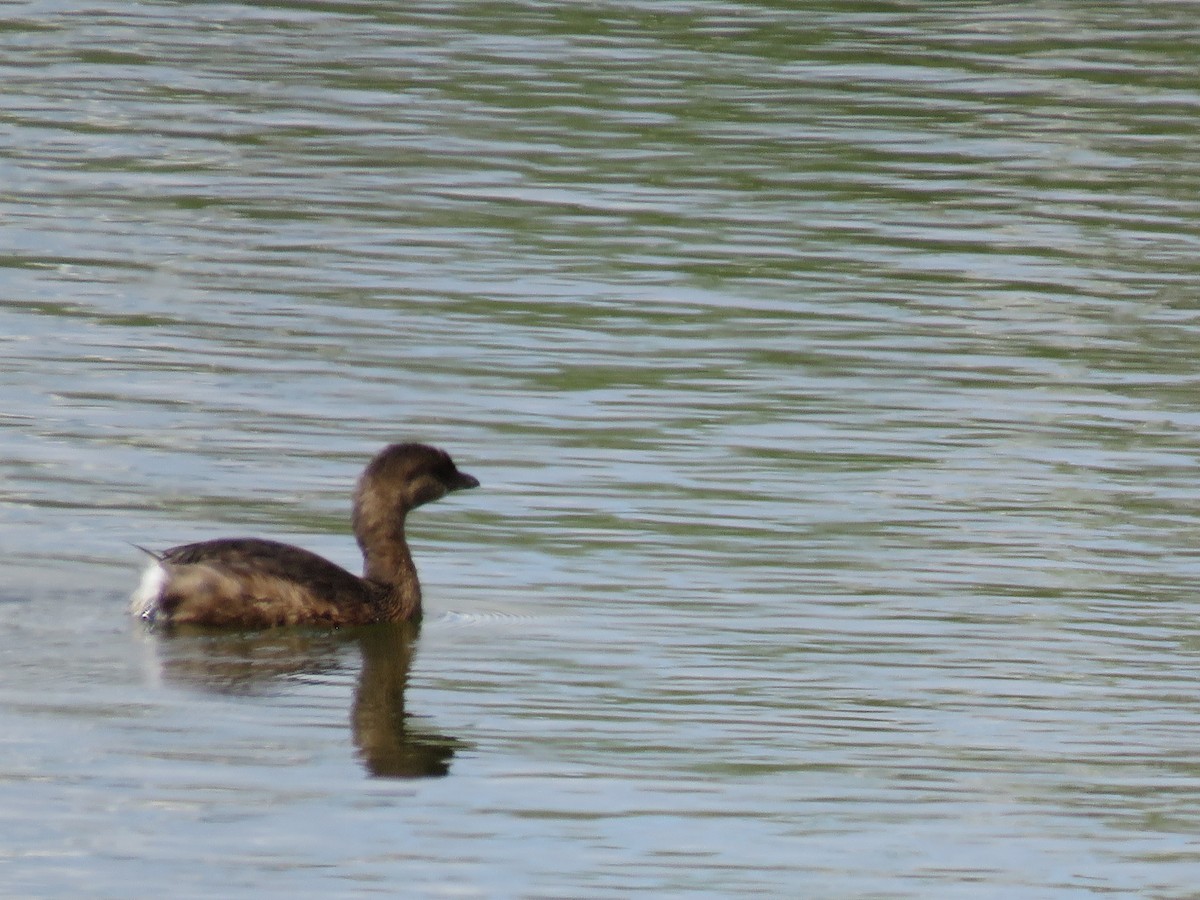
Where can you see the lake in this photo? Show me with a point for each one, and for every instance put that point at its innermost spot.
(831, 373)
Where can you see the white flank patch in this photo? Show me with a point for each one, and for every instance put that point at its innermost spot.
(144, 602)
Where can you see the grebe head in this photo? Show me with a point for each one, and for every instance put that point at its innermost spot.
(402, 477)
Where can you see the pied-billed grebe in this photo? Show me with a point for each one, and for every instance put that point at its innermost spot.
(254, 583)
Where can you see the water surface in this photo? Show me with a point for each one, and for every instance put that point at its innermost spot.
(830, 374)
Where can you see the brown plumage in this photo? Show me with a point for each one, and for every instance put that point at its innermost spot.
(253, 583)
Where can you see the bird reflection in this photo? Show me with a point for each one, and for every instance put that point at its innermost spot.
(389, 744)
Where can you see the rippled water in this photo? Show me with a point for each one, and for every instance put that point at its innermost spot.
(831, 373)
